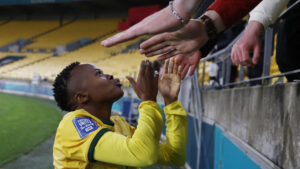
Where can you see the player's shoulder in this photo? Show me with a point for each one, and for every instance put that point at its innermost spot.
(78, 121)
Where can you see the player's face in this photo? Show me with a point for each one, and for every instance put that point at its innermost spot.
(99, 86)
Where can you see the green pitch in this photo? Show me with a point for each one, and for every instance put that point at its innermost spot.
(24, 123)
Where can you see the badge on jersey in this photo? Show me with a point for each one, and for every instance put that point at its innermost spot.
(84, 126)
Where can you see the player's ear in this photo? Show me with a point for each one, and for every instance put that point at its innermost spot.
(81, 97)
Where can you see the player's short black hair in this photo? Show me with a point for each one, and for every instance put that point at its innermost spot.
(60, 86)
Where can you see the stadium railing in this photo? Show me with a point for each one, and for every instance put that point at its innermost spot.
(223, 57)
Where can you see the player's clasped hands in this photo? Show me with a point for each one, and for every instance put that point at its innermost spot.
(148, 82)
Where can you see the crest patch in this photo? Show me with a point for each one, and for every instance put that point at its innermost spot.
(84, 126)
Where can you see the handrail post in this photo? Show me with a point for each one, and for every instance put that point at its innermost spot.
(198, 109)
(268, 52)
(228, 69)
(241, 73)
(203, 73)
(223, 73)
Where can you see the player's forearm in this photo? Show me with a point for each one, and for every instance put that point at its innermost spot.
(173, 151)
(142, 149)
(150, 122)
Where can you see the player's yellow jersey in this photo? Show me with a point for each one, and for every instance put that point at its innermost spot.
(85, 141)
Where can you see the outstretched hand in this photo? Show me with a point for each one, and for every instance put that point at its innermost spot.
(249, 42)
(160, 21)
(169, 82)
(186, 40)
(146, 86)
(187, 61)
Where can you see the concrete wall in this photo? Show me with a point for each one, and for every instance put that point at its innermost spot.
(265, 117)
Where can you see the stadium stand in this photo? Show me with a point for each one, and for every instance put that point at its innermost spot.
(13, 71)
(14, 30)
(108, 59)
(83, 28)
(47, 67)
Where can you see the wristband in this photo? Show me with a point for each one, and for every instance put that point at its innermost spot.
(209, 26)
(177, 16)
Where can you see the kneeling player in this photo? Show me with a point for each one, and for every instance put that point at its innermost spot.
(88, 137)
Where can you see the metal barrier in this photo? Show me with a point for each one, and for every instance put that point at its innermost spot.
(223, 57)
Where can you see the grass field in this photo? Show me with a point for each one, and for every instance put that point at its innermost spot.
(24, 123)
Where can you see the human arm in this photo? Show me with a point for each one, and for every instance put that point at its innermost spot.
(249, 41)
(184, 41)
(267, 11)
(160, 21)
(142, 148)
(261, 17)
(173, 151)
(194, 35)
(231, 11)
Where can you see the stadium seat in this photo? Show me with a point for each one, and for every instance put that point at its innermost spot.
(77, 30)
(14, 30)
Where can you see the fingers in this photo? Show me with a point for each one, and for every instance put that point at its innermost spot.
(166, 66)
(185, 70)
(118, 38)
(179, 70)
(175, 67)
(153, 41)
(134, 85)
(168, 55)
(154, 47)
(131, 81)
(171, 65)
(179, 58)
(151, 68)
(166, 49)
(195, 63)
(155, 73)
(234, 55)
(147, 69)
(126, 35)
(256, 54)
(244, 58)
(142, 70)
(193, 68)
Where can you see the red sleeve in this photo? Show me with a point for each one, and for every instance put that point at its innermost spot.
(231, 11)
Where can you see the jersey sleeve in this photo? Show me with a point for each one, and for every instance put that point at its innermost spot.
(141, 149)
(72, 141)
(173, 151)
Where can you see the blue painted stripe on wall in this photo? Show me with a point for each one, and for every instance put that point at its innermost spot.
(217, 151)
(191, 147)
(228, 155)
(207, 146)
